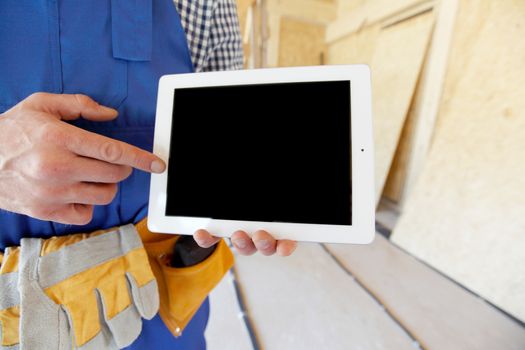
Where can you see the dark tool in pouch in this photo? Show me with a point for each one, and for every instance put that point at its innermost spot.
(188, 253)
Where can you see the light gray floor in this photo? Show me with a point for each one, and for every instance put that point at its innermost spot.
(312, 301)
(226, 329)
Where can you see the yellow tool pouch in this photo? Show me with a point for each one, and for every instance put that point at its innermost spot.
(182, 290)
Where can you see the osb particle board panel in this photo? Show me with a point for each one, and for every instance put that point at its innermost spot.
(301, 43)
(354, 48)
(466, 215)
(381, 9)
(439, 313)
(396, 178)
(309, 10)
(395, 67)
(371, 12)
(417, 133)
(306, 301)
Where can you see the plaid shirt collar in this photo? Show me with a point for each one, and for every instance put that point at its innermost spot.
(213, 33)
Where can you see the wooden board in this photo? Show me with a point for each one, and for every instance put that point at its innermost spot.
(242, 10)
(355, 48)
(439, 313)
(417, 133)
(378, 10)
(307, 302)
(396, 178)
(347, 6)
(395, 66)
(466, 213)
(245, 10)
(272, 40)
(395, 55)
(316, 11)
(301, 43)
(226, 329)
(371, 12)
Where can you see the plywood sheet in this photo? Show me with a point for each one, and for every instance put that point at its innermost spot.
(395, 67)
(438, 312)
(242, 10)
(381, 9)
(273, 22)
(354, 48)
(372, 12)
(245, 10)
(347, 6)
(466, 213)
(317, 11)
(396, 178)
(301, 43)
(307, 302)
(417, 133)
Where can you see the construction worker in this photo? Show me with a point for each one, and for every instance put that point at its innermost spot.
(78, 85)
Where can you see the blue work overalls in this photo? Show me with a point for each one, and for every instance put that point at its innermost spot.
(113, 51)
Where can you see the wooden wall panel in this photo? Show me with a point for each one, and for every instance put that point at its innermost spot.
(310, 10)
(417, 134)
(372, 12)
(395, 67)
(354, 48)
(395, 55)
(301, 43)
(378, 10)
(242, 10)
(245, 11)
(466, 215)
(396, 178)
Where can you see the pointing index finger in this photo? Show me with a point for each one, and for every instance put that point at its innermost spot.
(89, 144)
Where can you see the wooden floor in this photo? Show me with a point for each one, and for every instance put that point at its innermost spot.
(353, 297)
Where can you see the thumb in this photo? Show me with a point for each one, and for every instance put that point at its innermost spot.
(71, 106)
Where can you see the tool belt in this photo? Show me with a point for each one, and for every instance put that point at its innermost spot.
(91, 291)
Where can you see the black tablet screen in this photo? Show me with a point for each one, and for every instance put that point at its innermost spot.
(267, 152)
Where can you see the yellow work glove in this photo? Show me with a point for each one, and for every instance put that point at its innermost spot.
(85, 291)
(9, 299)
(182, 290)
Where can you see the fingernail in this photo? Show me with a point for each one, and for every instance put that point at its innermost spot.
(241, 243)
(108, 109)
(157, 166)
(263, 244)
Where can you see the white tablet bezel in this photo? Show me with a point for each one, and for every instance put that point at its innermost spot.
(363, 204)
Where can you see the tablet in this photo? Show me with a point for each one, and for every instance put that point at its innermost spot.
(286, 150)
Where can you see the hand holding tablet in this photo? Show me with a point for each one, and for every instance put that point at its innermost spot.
(286, 150)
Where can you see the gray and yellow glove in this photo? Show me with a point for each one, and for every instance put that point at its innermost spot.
(85, 291)
(9, 300)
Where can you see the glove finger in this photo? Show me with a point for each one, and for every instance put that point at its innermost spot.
(9, 296)
(103, 339)
(125, 327)
(145, 298)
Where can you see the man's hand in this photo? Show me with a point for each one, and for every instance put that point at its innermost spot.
(54, 171)
(261, 241)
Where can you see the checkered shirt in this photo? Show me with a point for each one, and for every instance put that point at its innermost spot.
(213, 33)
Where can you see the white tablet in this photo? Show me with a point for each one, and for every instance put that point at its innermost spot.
(286, 150)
